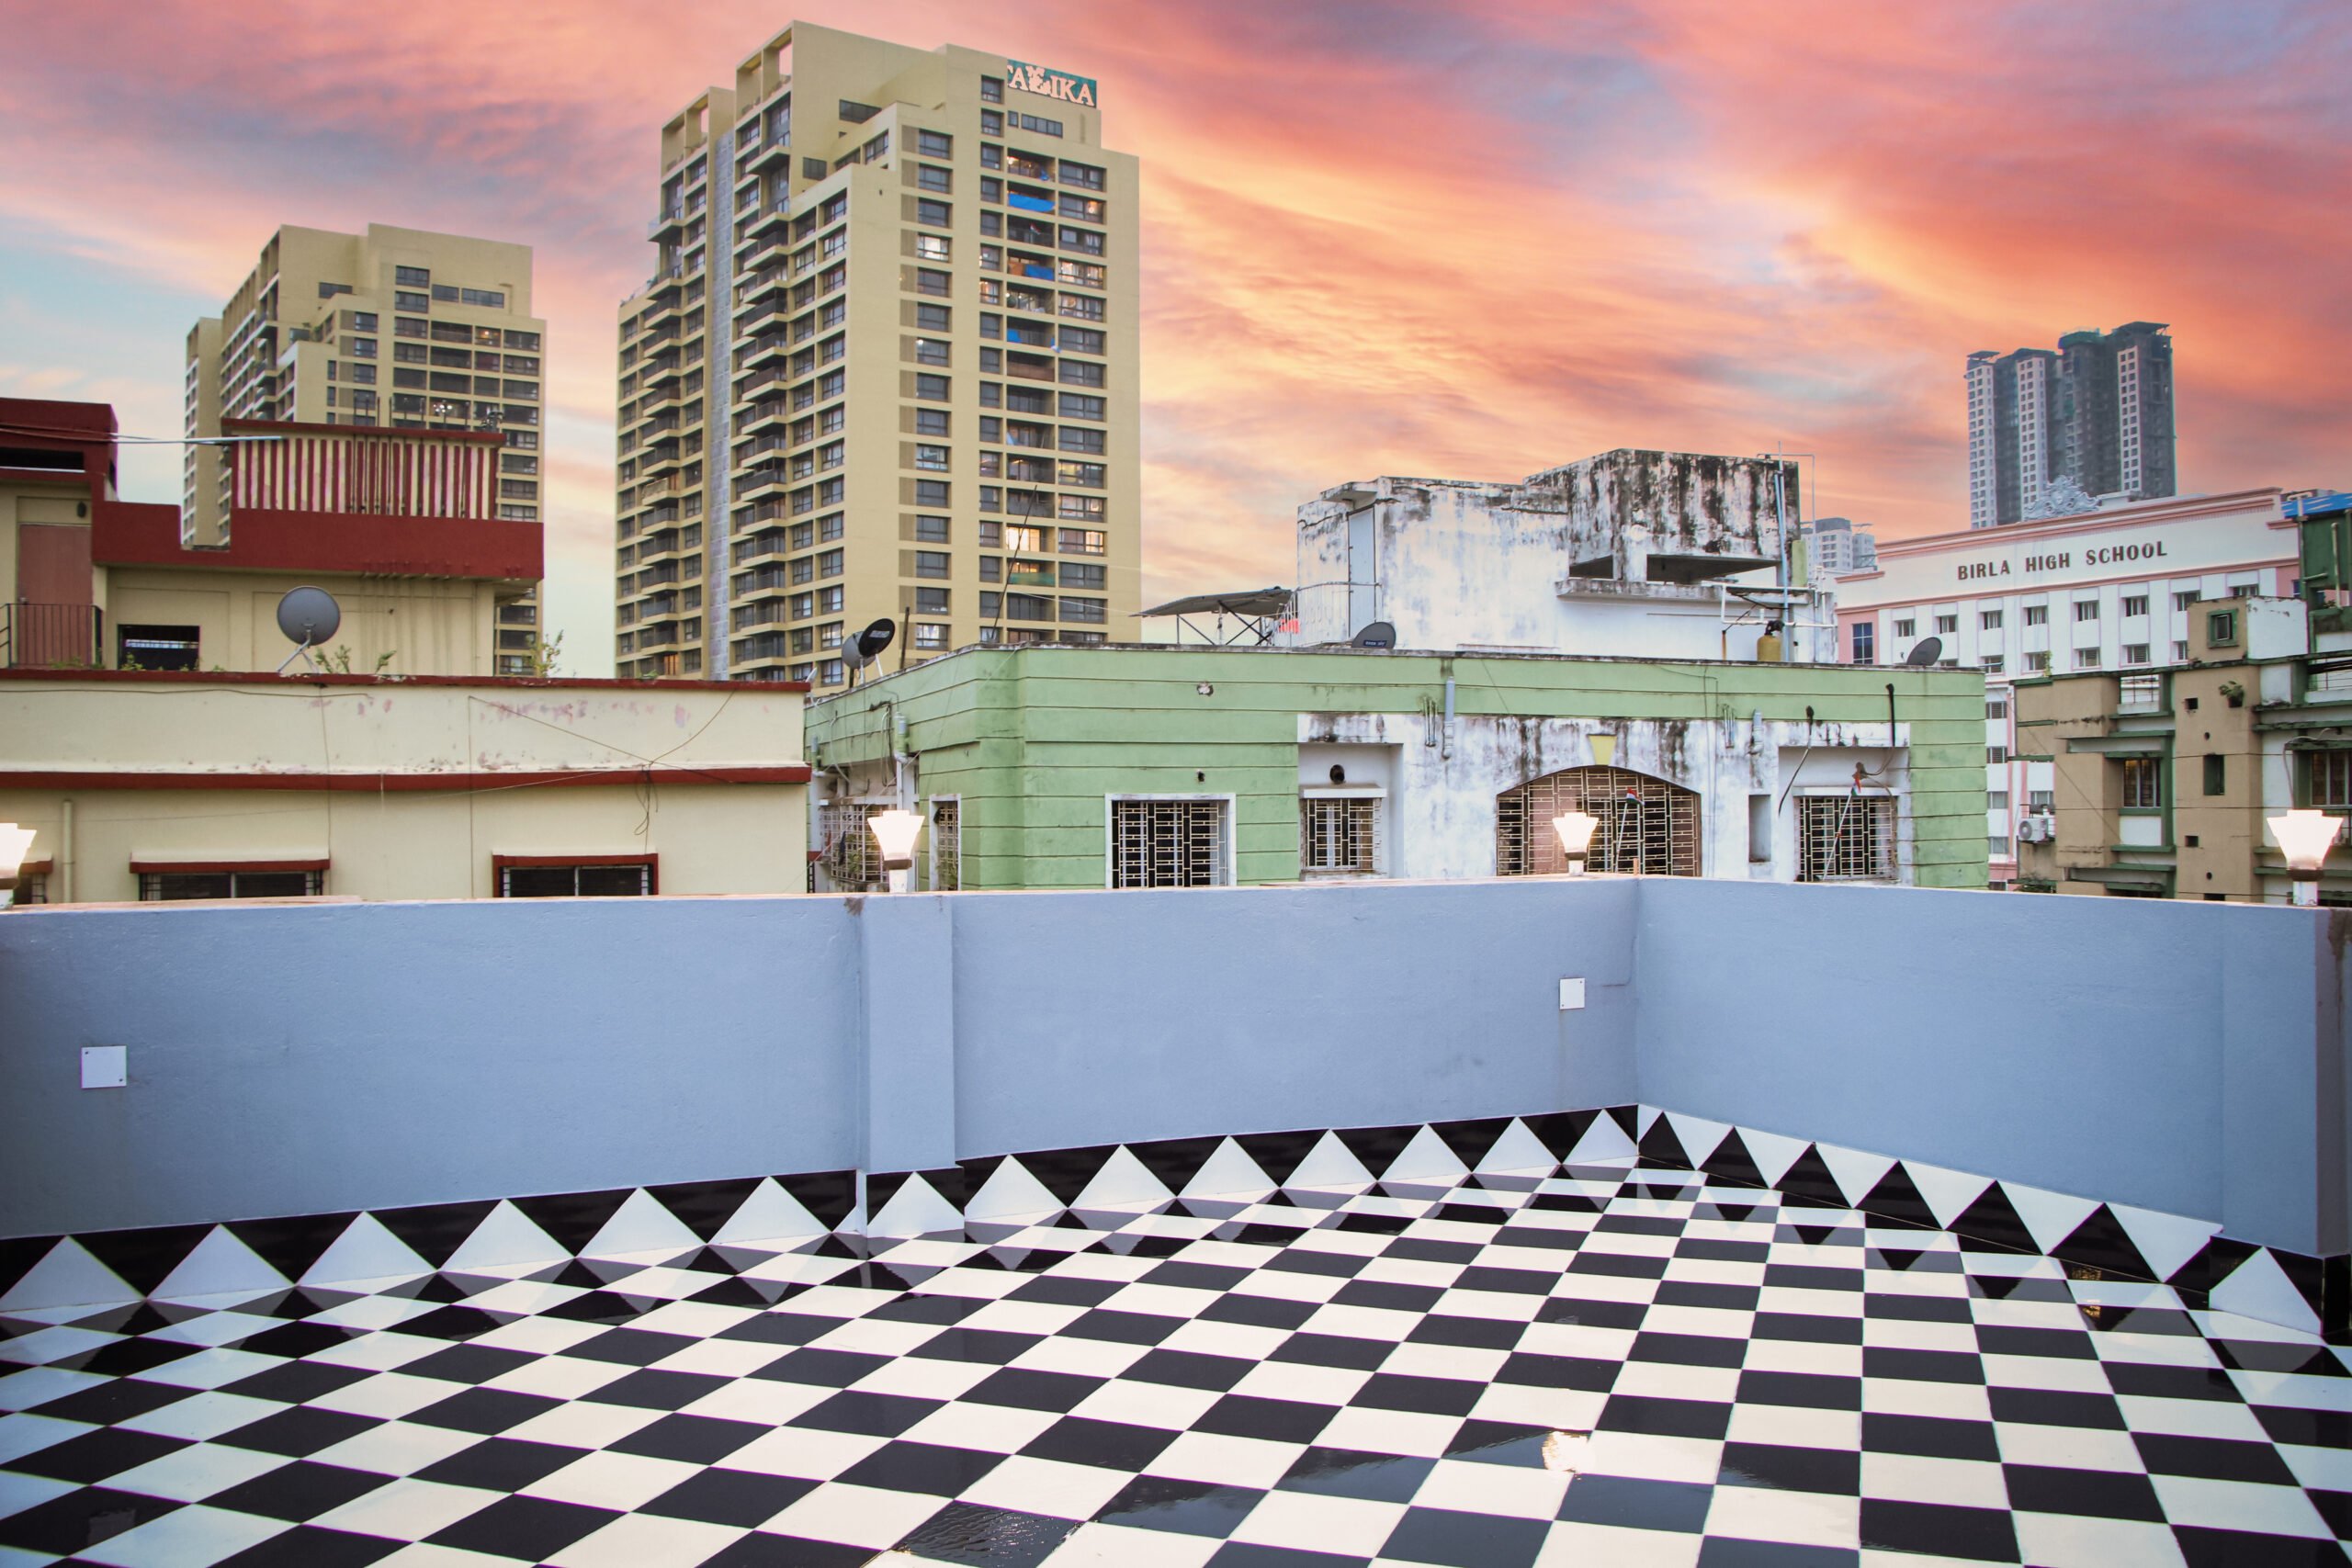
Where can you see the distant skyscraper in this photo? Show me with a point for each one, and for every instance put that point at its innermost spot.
(1839, 547)
(2095, 416)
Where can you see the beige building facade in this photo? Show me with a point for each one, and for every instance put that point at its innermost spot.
(395, 329)
(170, 785)
(885, 370)
(2163, 780)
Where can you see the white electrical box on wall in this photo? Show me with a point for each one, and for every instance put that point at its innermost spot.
(105, 1066)
(1572, 994)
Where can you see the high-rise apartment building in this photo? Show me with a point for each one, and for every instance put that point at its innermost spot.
(1837, 546)
(884, 369)
(394, 327)
(2048, 431)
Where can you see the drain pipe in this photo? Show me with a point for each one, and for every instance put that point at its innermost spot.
(65, 852)
(1891, 742)
(1448, 751)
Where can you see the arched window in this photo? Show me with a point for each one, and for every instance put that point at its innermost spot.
(1648, 826)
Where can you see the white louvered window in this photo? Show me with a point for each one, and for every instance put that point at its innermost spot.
(1182, 842)
(1339, 835)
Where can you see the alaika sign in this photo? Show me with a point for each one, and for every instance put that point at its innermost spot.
(1069, 89)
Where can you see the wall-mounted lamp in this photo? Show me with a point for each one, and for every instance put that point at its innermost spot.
(2303, 838)
(1604, 750)
(1576, 829)
(14, 844)
(894, 834)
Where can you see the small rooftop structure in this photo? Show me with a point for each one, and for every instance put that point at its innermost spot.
(1631, 552)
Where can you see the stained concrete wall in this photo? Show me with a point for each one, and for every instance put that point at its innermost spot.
(2184, 1057)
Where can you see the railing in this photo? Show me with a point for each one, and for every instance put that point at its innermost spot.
(36, 635)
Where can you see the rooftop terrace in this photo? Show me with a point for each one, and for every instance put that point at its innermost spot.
(1297, 1226)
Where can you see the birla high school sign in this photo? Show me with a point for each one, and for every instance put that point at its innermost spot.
(1069, 89)
(2062, 560)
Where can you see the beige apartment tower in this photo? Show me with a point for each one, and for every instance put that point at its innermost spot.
(884, 369)
(395, 327)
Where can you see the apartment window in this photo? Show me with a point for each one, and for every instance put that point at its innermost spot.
(934, 144)
(359, 347)
(1948, 623)
(445, 292)
(1996, 707)
(408, 352)
(2039, 799)
(931, 177)
(931, 530)
(930, 282)
(1086, 476)
(1907, 627)
(2216, 773)
(2135, 603)
(1995, 754)
(2037, 663)
(528, 341)
(587, 877)
(2085, 609)
(1991, 663)
(1082, 541)
(991, 92)
(829, 527)
(1084, 176)
(2221, 629)
(408, 326)
(1997, 800)
(1033, 122)
(1845, 838)
(2327, 779)
(1079, 405)
(1865, 643)
(1988, 620)
(931, 351)
(933, 247)
(259, 879)
(2180, 653)
(363, 374)
(2143, 782)
(933, 318)
(931, 493)
(412, 301)
(829, 564)
(2135, 653)
(933, 214)
(1079, 373)
(2183, 601)
(930, 635)
(1083, 574)
(1084, 611)
(932, 389)
(2087, 658)
(829, 673)
(930, 421)
(931, 563)
(412, 276)
(1169, 843)
(2037, 614)
(1340, 835)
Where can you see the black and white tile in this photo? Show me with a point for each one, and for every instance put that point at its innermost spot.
(1590, 1362)
(2114, 1240)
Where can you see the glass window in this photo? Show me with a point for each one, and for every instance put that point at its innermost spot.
(2143, 782)
(412, 276)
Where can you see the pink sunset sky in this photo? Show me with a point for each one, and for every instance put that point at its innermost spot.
(1466, 241)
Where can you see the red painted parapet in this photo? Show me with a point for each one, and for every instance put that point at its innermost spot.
(286, 466)
(326, 543)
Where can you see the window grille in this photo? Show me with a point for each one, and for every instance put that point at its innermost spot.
(632, 879)
(2331, 780)
(1168, 843)
(846, 848)
(1339, 836)
(1845, 838)
(1647, 826)
(947, 846)
(165, 887)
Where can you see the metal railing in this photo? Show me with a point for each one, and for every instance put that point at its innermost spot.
(35, 635)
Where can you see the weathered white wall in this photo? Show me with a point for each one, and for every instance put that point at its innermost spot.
(1441, 808)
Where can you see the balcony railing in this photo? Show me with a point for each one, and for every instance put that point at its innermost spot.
(38, 635)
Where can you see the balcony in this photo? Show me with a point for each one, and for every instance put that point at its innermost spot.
(666, 222)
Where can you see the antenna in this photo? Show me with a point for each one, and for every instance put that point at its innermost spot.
(867, 646)
(1380, 634)
(1930, 649)
(308, 616)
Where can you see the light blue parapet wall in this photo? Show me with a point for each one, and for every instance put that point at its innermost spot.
(2182, 1057)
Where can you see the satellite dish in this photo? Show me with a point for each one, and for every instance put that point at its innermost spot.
(872, 640)
(1380, 634)
(308, 616)
(1928, 650)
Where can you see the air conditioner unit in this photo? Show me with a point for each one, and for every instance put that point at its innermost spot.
(2037, 831)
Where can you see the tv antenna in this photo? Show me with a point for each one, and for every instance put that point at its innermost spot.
(869, 644)
(308, 616)
(1928, 650)
(1379, 634)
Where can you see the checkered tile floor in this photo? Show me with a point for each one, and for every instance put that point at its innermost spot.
(1599, 1366)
